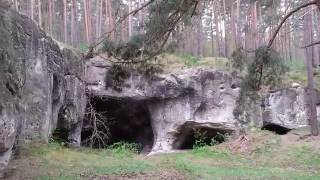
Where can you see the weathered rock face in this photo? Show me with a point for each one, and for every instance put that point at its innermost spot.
(197, 98)
(37, 81)
(287, 108)
(187, 99)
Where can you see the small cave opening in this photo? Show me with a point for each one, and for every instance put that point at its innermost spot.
(64, 128)
(124, 121)
(191, 137)
(277, 129)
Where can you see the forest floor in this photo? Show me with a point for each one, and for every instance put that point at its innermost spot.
(260, 155)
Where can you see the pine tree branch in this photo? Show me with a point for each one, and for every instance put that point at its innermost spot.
(314, 2)
(106, 35)
(312, 44)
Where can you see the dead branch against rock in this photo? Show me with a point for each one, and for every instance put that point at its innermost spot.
(99, 126)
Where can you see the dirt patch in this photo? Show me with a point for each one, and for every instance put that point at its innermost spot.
(256, 141)
(144, 176)
(251, 142)
(301, 136)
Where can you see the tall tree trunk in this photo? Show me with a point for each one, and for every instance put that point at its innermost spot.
(238, 32)
(31, 9)
(130, 19)
(39, 14)
(87, 17)
(318, 35)
(65, 28)
(233, 29)
(73, 21)
(85, 10)
(106, 16)
(141, 19)
(199, 38)
(99, 19)
(50, 16)
(311, 91)
(226, 48)
(314, 60)
(16, 5)
(253, 27)
(111, 21)
(211, 29)
(217, 27)
(288, 30)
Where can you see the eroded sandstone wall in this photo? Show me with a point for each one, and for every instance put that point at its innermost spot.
(195, 97)
(199, 98)
(37, 81)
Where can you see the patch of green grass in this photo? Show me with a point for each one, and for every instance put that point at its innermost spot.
(268, 159)
(304, 155)
(173, 62)
(124, 149)
(208, 163)
(83, 48)
(62, 177)
(298, 74)
(62, 163)
(189, 60)
(296, 65)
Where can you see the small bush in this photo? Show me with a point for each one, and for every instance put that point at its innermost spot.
(239, 59)
(296, 65)
(83, 48)
(190, 61)
(108, 47)
(171, 47)
(116, 76)
(124, 148)
(124, 51)
(219, 138)
(202, 140)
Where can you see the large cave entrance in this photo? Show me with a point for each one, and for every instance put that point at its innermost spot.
(127, 121)
(277, 129)
(192, 136)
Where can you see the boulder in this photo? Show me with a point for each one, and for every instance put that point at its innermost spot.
(287, 108)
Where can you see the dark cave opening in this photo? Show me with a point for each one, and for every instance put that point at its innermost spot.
(191, 137)
(60, 133)
(64, 128)
(128, 121)
(280, 130)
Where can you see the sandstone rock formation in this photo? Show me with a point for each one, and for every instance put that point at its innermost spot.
(196, 98)
(43, 88)
(177, 102)
(37, 81)
(287, 108)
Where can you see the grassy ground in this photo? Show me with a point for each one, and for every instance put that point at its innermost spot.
(174, 62)
(298, 73)
(266, 156)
